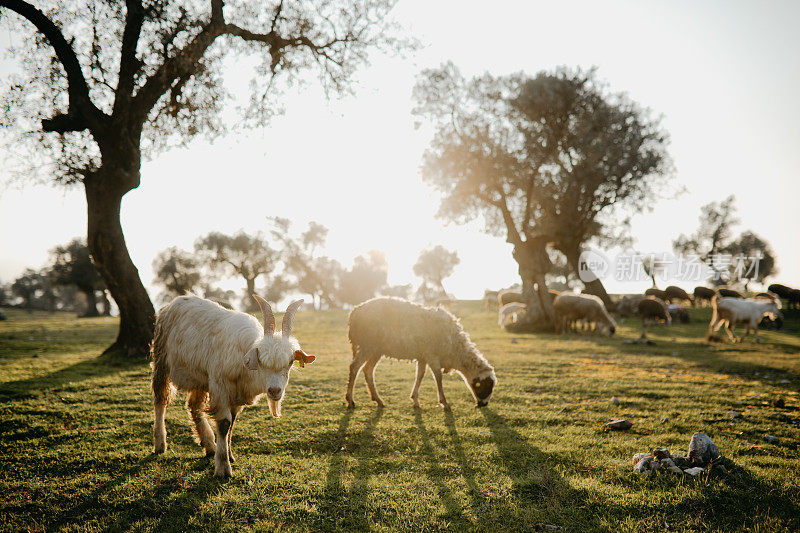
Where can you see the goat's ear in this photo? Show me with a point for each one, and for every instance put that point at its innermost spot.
(303, 358)
(251, 359)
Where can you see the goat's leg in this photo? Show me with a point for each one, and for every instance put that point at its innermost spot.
(355, 365)
(421, 367)
(437, 375)
(160, 429)
(746, 332)
(222, 462)
(235, 410)
(369, 377)
(729, 330)
(196, 405)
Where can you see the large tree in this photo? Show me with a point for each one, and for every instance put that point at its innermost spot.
(434, 265)
(71, 264)
(365, 279)
(545, 160)
(105, 84)
(752, 256)
(241, 254)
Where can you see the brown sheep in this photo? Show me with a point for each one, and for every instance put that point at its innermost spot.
(725, 292)
(652, 308)
(703, 294)
(572, 307)
(658, 293)
(508, 296)
(676, 294)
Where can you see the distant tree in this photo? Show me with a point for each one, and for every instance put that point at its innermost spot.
(247, 256)
(35, 289)
(71, 264)
(752, 256)
(315, 275)
(177, 271)
(106, 84)
(547, 159)
(365, 279)
(715, 232)
(279, 285)
(5, 294)
(398, 291)
(436, 264)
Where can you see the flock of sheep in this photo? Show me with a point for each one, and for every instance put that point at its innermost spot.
(729, 308)
(226, 360)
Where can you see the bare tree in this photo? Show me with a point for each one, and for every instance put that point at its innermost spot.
(105, 84)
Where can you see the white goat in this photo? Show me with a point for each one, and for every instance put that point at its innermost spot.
(514, 309)
(225, 360)
(730, 311)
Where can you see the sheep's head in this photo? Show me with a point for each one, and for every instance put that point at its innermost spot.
(481, 381)
(275, 354)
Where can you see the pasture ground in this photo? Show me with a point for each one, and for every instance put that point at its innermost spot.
(76, 437)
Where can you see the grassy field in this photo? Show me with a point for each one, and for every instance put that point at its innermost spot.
(76, 437)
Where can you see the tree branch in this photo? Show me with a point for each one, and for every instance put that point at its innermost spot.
(82, 113)
(513, 234)
(129, 64)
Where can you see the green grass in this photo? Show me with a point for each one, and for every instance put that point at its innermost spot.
(76, 437)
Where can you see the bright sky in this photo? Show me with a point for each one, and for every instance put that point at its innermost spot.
(723, 74)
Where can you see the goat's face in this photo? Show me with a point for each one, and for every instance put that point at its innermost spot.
(273, 358)
(481, 384)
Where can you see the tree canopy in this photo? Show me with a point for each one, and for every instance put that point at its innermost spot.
(434, 265)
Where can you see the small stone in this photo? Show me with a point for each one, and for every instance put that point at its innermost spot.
(681, 461)
(551, 527)
(785, 381)
(694, 470)
(643, 466)
(702, 449)
(771, 439)
(733, 415)
(670, 465)
(485, 432)
(514, 341)
(664, 419)
(779, 416)
(641, 455)
(619, 425)
(779, 403)
(661, 453)
(615, 400)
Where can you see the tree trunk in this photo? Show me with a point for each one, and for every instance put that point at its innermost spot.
(107, 244)
(91, 302)
(595, 286)
(531, 256)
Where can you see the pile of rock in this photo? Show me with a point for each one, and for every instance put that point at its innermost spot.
(703, 456)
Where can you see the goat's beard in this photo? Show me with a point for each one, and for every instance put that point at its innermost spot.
(274, 407)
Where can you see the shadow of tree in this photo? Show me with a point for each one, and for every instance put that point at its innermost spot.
(103, 365)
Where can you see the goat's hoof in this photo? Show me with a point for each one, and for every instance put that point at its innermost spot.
(231, 458)
(446, 407)
(379, 403)
(160, 448)
(223, 473)
(351, 405)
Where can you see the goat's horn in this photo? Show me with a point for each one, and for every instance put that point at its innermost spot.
(286, 324)
(269, 317)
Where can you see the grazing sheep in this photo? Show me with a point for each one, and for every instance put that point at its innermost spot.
(514, 310)
(725, 292)
(676, 294)
(794, 299)
(658, 293)
(730, 311)
(225, 360)
(678, 313)
(652, 309)
(407, 331)
(627, 305)
(574, 307)
(508, 296)
(781, 290)
(489, 299)
(703, 294)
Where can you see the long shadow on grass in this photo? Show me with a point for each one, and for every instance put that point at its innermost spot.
(348, 509)
(103, 365)
(535, 486)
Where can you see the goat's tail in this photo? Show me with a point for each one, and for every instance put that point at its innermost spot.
(162, 388)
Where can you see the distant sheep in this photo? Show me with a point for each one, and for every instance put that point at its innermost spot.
(513, 310)
(407, 331)
(676, 294)
(781, 290)
(703, 294)
(627, 306)
(658, 293)
(653, 309)
(489, 299)
(678, 313)
(225, 360)
(570, 308)
(730, 311)
(508, 296)
(726, 292)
